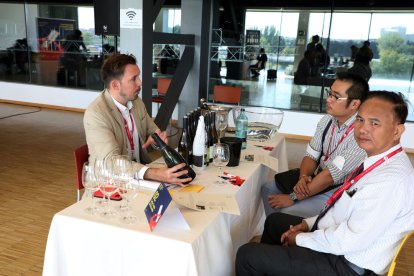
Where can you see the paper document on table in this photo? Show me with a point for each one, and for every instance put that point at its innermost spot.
(208, 202)
(265, 159)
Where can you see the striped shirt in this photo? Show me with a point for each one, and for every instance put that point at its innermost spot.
(343, 157)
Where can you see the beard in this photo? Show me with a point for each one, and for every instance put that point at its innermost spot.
(132, 97)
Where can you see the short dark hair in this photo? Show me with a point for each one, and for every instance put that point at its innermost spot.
(77, 33)
(397, 99)
(359, 88)
(114, 67)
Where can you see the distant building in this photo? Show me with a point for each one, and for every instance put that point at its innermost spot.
(408, 38)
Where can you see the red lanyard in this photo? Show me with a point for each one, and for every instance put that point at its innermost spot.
(350, 128)
(349, 182)
(128, 132)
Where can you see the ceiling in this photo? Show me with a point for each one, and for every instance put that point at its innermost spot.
(369, 4)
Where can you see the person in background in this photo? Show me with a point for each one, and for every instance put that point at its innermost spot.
(326, 165)
(360, 230)
(73, 60)
(361, 66)
(365, 52)
(117, 122)
(311, 46)
(354, 51)
(74, 42)
(261, 63)
(318, 59)
(304, 69)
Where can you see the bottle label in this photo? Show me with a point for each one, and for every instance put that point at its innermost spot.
(198, 161)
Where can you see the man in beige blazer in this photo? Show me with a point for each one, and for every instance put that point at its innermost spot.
(117, 122)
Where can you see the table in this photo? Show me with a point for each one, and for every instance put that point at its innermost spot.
(81, 244)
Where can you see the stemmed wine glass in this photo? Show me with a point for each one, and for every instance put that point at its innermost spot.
(221, 157)
(123, 176)
(131, 192)
(90, 184)
(221, 122)
(104, 173)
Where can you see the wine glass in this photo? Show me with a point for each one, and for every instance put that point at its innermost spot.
(221, 122)
(90, 184)
(104, 173)
(130, 191)
(221, 157)
(122, 170)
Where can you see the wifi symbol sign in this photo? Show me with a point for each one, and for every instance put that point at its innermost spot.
(131, 14)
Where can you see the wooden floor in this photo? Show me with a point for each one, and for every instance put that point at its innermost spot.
(37, 176)
(37, 179)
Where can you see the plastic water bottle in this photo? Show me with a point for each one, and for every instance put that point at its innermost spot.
(241, 127)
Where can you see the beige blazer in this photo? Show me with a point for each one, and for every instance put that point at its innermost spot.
(105, 129)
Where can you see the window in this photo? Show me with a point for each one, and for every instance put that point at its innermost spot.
(53, 45)
(285, 35)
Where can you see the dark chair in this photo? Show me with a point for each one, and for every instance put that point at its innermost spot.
(81, 156)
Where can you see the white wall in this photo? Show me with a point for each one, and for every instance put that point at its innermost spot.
(299, 123)
(56, 96)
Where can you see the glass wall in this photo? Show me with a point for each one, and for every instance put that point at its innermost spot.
(39, 44)
(286, 35)
(15, 54)
(166, 57)
(51, 45)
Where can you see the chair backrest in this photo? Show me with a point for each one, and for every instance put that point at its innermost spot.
(403, 262)
(227, 94)
(162, 85)
(81, 156)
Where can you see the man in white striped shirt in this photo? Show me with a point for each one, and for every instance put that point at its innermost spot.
(332, 160)
(362, 229)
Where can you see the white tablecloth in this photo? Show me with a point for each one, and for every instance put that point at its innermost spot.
(81, 244)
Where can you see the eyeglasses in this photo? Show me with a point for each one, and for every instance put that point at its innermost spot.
(333, 96)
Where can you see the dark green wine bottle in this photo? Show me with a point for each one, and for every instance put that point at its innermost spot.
(173, 158)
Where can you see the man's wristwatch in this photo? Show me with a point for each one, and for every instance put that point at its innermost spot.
(293, 197)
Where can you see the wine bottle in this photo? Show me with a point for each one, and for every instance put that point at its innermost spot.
(195, 120)
(241, 127)
(207, 155)
(183, 144)
(210, 138)
(199, 145)
(190, 125)
(173, 158)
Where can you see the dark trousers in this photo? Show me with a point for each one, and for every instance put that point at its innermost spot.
(271, 258)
